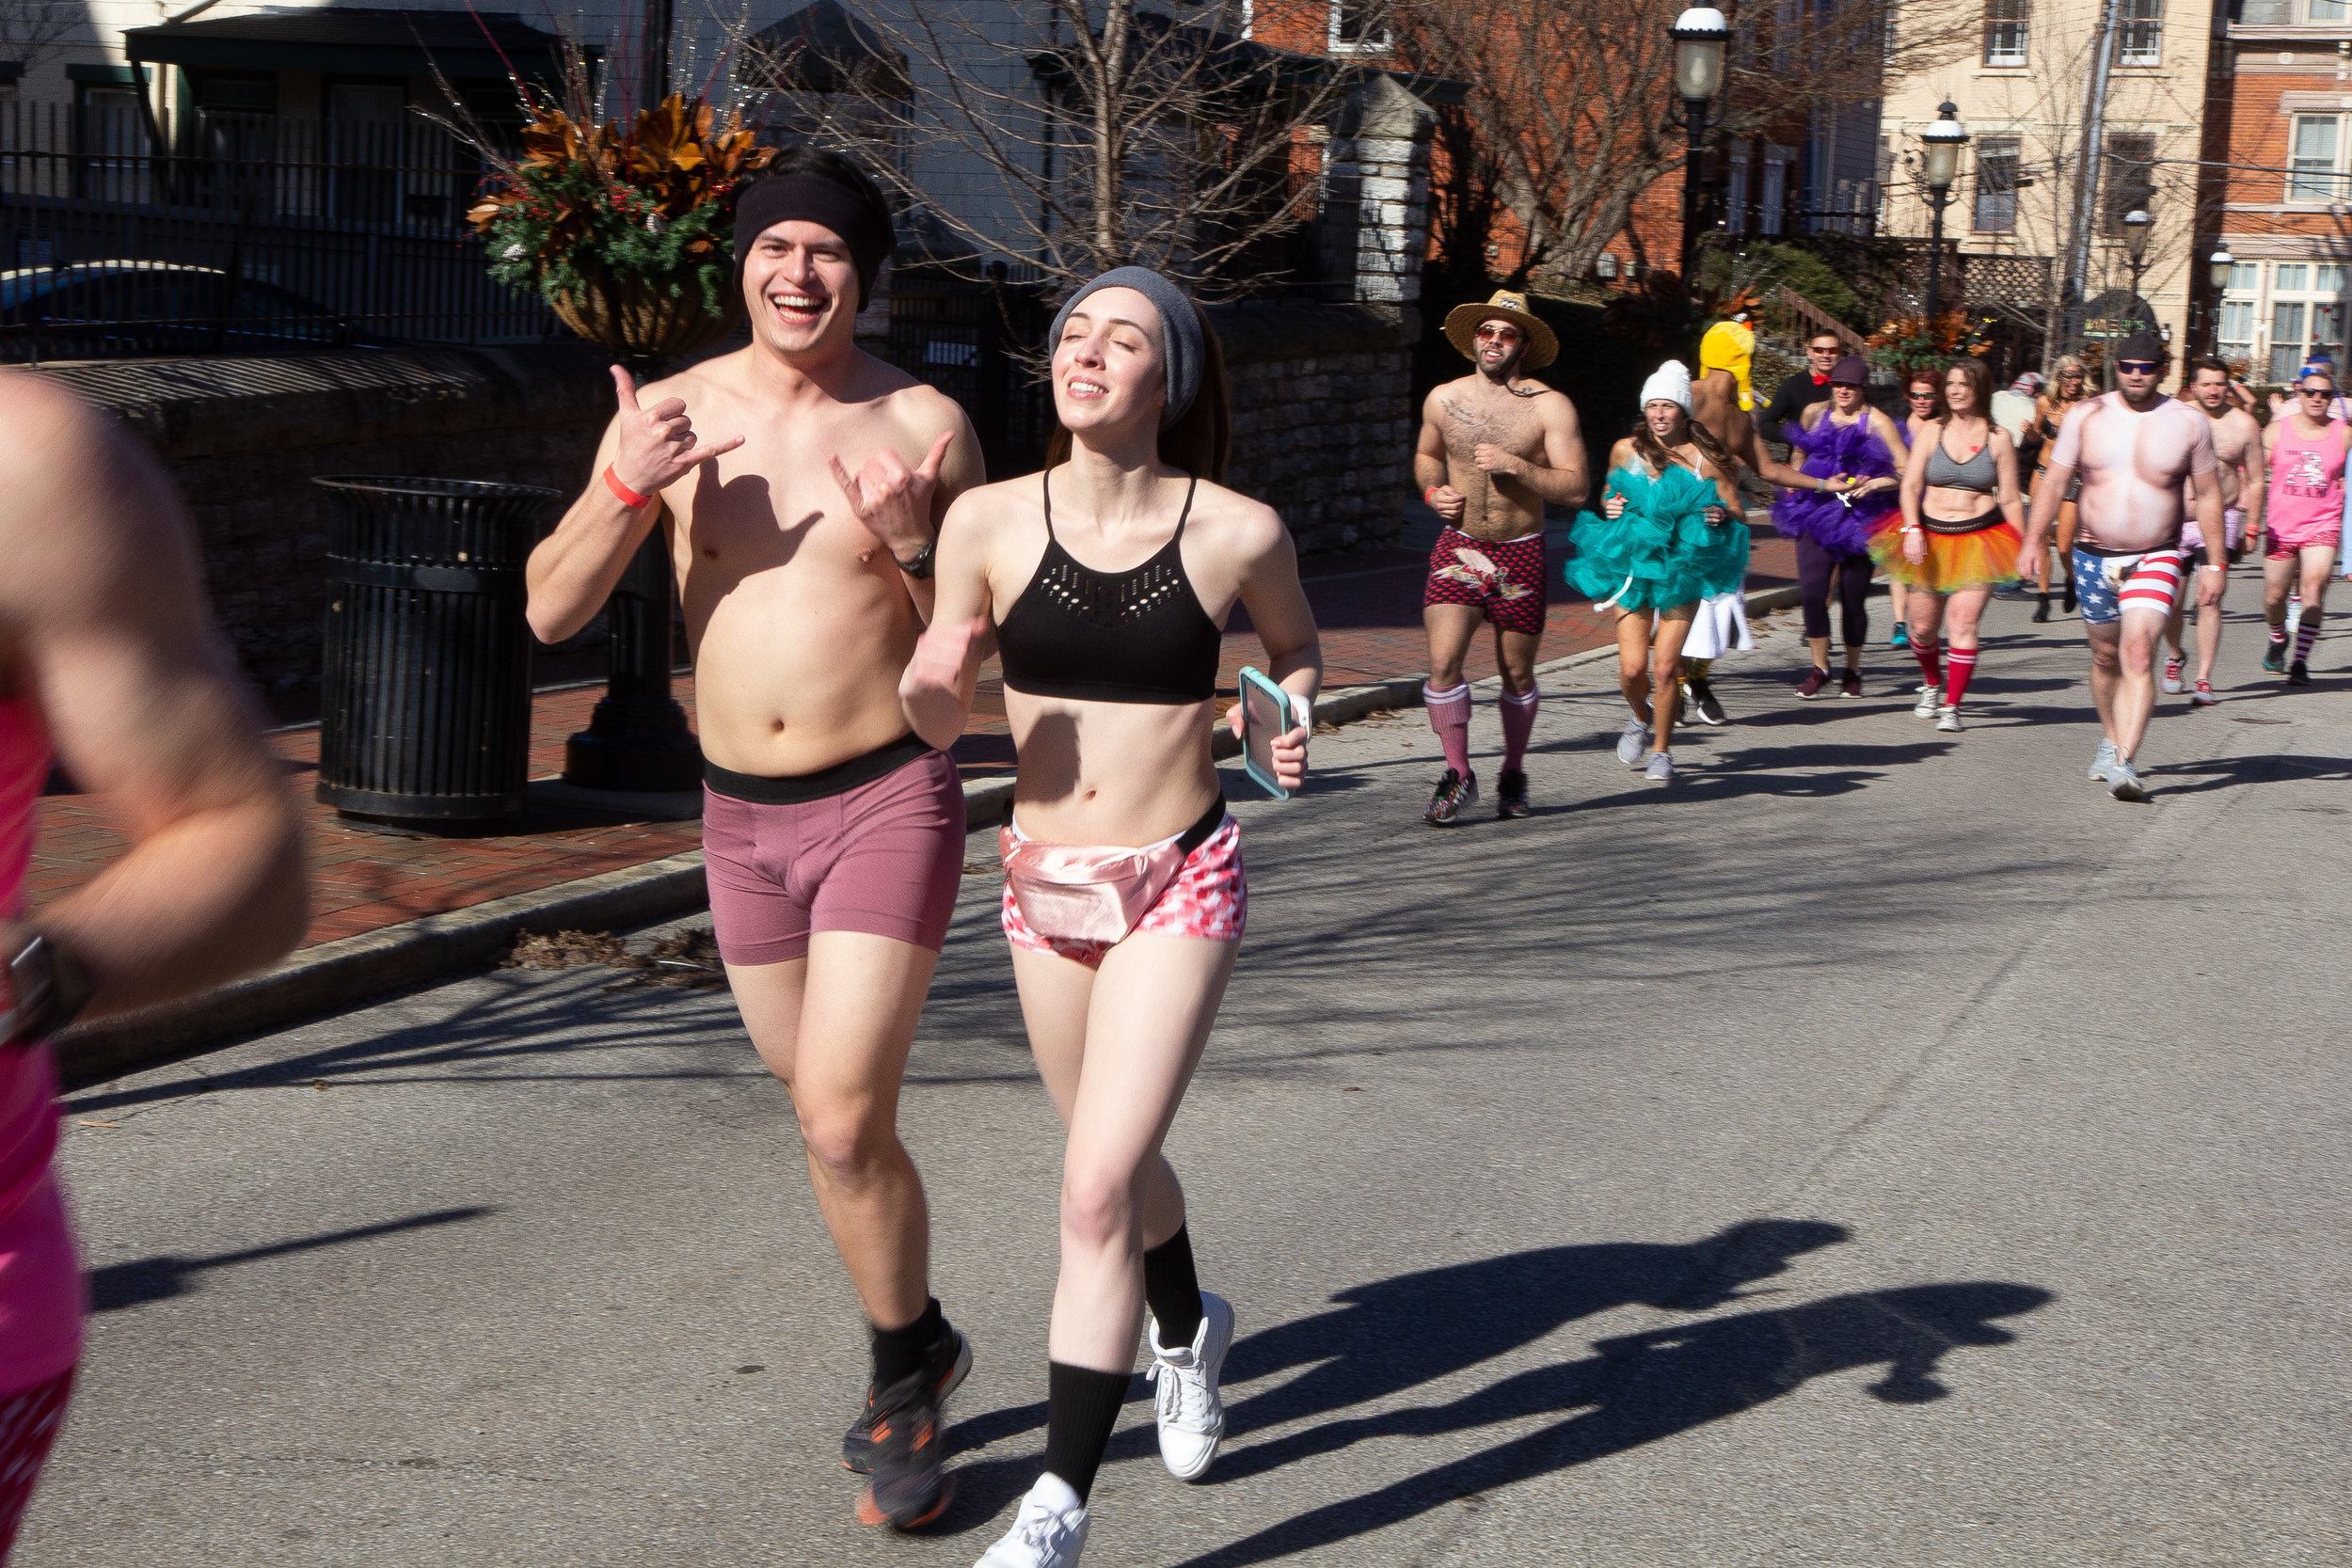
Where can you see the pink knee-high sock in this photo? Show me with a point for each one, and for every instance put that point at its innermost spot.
(1519, 723)
(2307, 633)
(1449, 715)
(1964, 663)
(1930, 653)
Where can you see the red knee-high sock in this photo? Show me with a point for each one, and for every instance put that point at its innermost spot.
(1449, 715)
(1519, 723)
(1930, 653)
(1964, 663)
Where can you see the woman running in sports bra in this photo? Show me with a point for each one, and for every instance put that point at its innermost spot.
(1103, 584)
(2049, 412)
(1956, 536)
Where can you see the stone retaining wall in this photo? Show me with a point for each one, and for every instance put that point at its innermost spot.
(1323, 416)
(243, 439)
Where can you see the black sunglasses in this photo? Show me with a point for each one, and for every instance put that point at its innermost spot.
(2317, 391)
(2137, 367)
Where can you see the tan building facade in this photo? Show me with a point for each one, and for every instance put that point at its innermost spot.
(2022, 88)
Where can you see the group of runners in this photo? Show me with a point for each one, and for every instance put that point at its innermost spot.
(838, 618)
(2132, 487)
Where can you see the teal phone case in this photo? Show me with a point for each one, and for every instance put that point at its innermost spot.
(1253, 680)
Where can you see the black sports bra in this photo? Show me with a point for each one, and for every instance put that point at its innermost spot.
(1105, 637)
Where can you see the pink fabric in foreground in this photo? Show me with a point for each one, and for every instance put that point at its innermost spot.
(40, 1286)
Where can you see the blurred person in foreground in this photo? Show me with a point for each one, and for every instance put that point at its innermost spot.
(107, 652)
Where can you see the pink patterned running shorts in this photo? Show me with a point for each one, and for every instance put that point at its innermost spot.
(1209, 899)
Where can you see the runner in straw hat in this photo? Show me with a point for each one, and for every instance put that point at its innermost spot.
(1495, 447)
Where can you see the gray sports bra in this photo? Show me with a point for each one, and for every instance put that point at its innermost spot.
(1979, 473)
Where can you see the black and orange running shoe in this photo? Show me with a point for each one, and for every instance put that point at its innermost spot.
(909, 1485)
(946, 1368)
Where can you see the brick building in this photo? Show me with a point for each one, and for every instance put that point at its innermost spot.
(2281, 119)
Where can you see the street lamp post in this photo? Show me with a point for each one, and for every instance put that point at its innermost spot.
(2135, 226)
(2217, 268)
(1945, 136)
(1699, 34)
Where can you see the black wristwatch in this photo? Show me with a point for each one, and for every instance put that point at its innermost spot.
(42, 991)
(920, 567)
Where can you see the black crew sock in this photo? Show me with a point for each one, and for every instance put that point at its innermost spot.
(1081, 1406)
(1172, 1289)
(899, 1351)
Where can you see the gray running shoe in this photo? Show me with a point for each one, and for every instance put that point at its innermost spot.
(1947, 719)
(2124, 780)
(1661, 768)
(1930, 702)
(2104, 760)
(1633, 745)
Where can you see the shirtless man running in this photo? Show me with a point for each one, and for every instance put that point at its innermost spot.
(2237, 451)
(2136, 451)
(1495, 446)
(833, 836)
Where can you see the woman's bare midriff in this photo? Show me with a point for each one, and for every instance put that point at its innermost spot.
(1109, 774)
(1947, 505)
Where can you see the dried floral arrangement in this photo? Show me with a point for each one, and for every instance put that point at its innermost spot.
(588, 206)
(1913, 342)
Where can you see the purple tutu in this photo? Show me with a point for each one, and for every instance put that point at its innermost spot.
(1831, 449)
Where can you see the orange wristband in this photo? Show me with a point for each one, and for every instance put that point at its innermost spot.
(1426, 494)
(629, 497)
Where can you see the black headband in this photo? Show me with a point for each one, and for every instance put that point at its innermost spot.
(863, 224)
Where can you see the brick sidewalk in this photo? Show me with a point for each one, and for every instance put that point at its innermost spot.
(1367, 606)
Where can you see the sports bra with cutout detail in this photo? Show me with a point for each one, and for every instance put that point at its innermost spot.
(1138, 636)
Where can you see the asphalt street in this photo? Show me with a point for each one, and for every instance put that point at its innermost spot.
(1876, 1148)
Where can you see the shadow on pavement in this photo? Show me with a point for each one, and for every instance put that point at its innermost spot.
(1394, 1335)
(147, 1279)
(1636, 1389)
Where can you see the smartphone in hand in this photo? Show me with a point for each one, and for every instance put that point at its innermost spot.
(1266, 715)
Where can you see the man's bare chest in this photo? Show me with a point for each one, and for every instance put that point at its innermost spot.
(1500, 420)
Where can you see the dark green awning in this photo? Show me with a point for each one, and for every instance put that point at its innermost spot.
(356, 40)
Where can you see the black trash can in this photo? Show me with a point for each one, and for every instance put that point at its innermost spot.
(425, 716)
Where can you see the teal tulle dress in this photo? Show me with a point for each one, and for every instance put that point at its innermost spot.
(1663, 551)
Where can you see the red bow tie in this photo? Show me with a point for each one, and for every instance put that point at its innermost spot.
(1820, 381)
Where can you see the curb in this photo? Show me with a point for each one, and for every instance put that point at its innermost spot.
(337, 974)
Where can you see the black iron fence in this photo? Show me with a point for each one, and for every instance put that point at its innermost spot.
(980, 343)
(122, 232)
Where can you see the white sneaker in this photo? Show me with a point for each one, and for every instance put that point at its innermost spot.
(1947, 719)
(2102, 761)
(2170, 685)
(2124, 780)
(1048, 1532)
(1930, 700)
(1661, 768)
(1192, 1415)
(1634, 743)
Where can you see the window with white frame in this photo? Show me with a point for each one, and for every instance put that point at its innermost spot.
(2141, 39)
(1359, 28)
(2328, 10)
(2007, 26)
(2307, 315)
(1997, 185)
(2315, 154)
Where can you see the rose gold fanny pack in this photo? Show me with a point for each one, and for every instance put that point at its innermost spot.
(1086, 893)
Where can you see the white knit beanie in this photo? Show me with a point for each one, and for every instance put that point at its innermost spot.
(1669, 383)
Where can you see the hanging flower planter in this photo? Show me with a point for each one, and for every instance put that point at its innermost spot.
(628, 234)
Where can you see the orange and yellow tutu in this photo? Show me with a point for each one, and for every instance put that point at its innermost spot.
(1981, 558)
